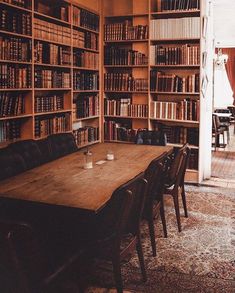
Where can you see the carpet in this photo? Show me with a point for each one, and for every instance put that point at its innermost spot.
(199, 259)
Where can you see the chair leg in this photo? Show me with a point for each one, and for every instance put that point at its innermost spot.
(152, 235)
(184, 201)
(117, 273)
(163, 219)
(141, 258)
(177, 209)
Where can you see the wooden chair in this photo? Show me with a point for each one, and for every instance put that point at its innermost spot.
(26, 267)
(118, 229)
(177, 163)
(217, 130)
(155, 174)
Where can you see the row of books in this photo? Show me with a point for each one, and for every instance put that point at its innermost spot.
(175, 55)
(86, 19)
(51, 54)
(178, 5)
(46, 125)
(48, 103)
(181, 135)
(86, 59)
(52, 32)
(51, 79)
(59, 11)
(86, 40)
(118, 131)
(86, 106)
(15, 21)
(175, 28)
(124, 108)
(125, 31)
(10, 130)
(85, 80)
(21, 3)
(13, 76)
(166, 82)
(12, 104)
(124, 82)
(182, 110)
(123, 56)
(15, 49)
(86, 135)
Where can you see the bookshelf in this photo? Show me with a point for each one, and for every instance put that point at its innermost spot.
(169, 56)
(49, 70)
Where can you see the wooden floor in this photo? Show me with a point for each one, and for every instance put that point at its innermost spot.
(223, 165)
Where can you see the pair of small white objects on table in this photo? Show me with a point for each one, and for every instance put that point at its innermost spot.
(88, 160)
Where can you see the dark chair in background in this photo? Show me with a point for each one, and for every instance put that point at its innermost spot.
(117, 231)
(175, 179)
(154, 205)
(232, 120)
(217, 130)
(224, 122)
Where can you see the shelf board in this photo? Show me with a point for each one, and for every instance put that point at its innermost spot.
(127, 15)
(182, 13)
(85, 91)
(130, 92)
(86, 49)
(15, 34)
(51, 112)
(85, 29)
(176, 66)
(125, 117)
(180, 145)
(15, 89)
(15, 117)
(53, 65)
(176, 93)
(176, 121)
(85, 68)
(16, 62)
(16, 7)
(51, 41)
(39, 14)
(126, 66)
(85, 118)
(177, 40)
(52, 89)
(127, 41)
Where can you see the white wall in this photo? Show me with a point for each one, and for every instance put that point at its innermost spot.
(223, 95)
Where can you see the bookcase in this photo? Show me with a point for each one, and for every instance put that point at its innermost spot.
(49, 70)
(158, 42)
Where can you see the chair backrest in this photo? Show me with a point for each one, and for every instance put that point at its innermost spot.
(62, 144)
(138, 188)
(29, 151)
(11, 163)
(155, 174)
(177, 166)
(217, 122)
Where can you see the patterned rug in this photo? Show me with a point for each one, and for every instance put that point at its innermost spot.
(199, 259)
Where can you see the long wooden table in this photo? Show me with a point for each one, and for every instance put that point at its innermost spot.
(65, 182)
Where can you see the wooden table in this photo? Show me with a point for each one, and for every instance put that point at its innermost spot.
(65, 182)
(223, 115)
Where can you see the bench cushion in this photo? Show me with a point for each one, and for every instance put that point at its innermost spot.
(29, 151)
(11, 163)
(62, 144)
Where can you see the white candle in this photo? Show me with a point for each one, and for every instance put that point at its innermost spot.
(110, 156)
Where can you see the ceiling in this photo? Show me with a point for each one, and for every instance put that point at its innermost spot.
(224, 23)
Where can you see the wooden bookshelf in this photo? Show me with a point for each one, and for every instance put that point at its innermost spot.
(52, 55)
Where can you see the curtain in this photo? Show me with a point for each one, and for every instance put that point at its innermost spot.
(230, 68)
